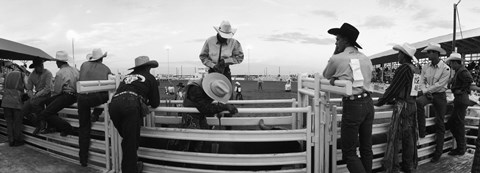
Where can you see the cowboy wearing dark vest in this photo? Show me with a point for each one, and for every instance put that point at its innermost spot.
(130, 104)
(92, 69)
(200, 94)
(460, 86)
(221, 51)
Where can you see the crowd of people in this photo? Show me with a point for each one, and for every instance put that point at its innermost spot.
(408, 93)
(139, 90)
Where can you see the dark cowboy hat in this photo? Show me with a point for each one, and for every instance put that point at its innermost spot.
(348, 31)
(36, 62)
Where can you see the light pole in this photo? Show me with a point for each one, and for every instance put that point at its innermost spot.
(454, 23)
(71, 34)
(248, 62)
(168, 61)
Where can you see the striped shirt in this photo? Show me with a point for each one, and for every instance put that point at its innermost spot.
(402, 81)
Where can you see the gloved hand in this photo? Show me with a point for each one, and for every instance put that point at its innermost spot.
(231, 109)
(220, 66)
(332, 80)
(420, 93)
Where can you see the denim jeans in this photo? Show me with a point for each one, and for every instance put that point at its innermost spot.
(85, 103)
(439, 102)
(356, 131)
(35, 105)
(14, 124)
(476, 157)
(54, 105)
(126, 116)
(456, 123)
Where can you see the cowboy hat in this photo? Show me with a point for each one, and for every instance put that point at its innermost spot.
(144, 61)
(454, 56)
(237, 83)
(61, 56)
(97, 54)
(180, 85)
(225, 29)
(348, 31)
(217, 87)
(407, 49)
(89, 56)
(36, 62)
(435, 47)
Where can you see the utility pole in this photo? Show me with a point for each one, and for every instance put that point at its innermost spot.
(454, 23)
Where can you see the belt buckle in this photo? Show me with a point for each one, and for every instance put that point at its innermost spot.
(351, 97)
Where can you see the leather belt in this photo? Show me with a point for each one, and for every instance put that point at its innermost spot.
(128, 92)
(358, 96)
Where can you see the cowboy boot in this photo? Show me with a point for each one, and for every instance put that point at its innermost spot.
(40, 127)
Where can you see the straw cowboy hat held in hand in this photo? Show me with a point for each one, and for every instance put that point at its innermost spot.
(217, 87)
(407, 49)
(96, 55)
(454, 56)
(61, 56)
(225, 29)
(143, 61)
(348, 31)
(435, 47)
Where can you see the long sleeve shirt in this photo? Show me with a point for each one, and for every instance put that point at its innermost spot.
(65, 80)
(94, 71)
(462, 81)
(339, 67)
(434, 78)
(196, 97)
(42, 83)
(142, 83)
(402, 81)
(212, 50)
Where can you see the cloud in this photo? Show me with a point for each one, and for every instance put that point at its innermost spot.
(475, 9)
(296, 37)
(446, 24)
(378, 22)
(425, 13)
(393, 3)
(324, 13)
(197, 40)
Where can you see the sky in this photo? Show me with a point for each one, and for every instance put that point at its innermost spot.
(277, 36)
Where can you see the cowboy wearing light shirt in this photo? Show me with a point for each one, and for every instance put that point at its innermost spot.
(348, 63)
(64, 94)
(433, 84)
(221, 51)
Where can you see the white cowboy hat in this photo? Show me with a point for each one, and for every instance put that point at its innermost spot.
(407, 49)
(144, 61)
(217, 87)
(225, 29)
(97, 54)
(89, 56)
(62, 56)
(435, 47)
(237, 83)
(454, 56)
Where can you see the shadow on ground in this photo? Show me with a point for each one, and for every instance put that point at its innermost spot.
(26, 159)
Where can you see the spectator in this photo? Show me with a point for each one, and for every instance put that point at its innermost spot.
(39, 85)
(12, 104)
(358, 109)
(221, 51)
(433, 84)
(64, 94)
(403, 121)
(238, 91)
(129, 105)
(93, 69)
